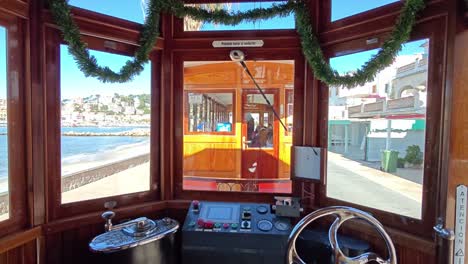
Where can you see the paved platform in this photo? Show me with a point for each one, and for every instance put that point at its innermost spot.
(351, 181)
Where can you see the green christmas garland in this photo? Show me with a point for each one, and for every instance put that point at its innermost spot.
(61, 12)
(310, 44)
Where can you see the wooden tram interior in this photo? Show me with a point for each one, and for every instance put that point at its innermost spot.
(213, 137)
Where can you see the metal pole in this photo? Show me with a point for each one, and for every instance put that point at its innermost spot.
(389, 135)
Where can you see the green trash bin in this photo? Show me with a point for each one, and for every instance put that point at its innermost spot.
(389, 160)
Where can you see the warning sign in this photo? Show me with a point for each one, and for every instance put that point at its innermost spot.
(460, 225)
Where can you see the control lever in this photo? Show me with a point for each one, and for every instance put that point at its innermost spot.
(107, 216)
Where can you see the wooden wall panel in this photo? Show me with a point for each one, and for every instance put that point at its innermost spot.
(458, 164)
(212, 157)
(24, 254)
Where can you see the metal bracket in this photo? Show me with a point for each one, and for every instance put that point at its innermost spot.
(442, 232)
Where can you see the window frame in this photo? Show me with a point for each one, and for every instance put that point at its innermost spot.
(204, 91)
(56, 209)
(16, 97)
(178, 88)
(431, 30)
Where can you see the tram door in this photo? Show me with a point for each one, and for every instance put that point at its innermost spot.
(259, 135)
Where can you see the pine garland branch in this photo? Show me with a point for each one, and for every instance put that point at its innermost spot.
(61, 12)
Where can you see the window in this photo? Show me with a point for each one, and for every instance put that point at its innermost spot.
(342, 8)
(209, 112)
(105, 132)
(289, 111)
(376, 140)
(232, 140)
(126, 9)
(4, 192)
(287, 22)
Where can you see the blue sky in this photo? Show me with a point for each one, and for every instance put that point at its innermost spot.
(354, 61)
(345, 8)
(2, 63)
(75, 84)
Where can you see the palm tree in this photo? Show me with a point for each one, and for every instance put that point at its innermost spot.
(195, 25)
(189, 23)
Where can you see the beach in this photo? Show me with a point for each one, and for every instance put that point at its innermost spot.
(95, 166)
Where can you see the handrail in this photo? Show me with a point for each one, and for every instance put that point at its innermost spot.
(20, 238)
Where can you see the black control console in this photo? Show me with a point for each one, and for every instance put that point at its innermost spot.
(228, 233)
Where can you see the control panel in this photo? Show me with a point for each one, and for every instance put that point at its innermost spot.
(218, 232)
(234, 217)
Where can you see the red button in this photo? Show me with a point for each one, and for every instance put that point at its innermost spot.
(209, 225)
(226, 226)
(200, 222)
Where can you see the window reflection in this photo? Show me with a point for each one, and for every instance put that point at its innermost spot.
(376, 134)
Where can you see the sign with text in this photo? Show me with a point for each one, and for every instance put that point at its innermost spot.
(460, 225)
(237, 43)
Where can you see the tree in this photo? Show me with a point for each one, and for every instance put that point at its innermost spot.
(190, 24)
(195, 25)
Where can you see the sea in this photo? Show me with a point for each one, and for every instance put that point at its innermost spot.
(80, 148)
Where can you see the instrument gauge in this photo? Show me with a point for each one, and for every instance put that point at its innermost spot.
(264, 225)
(282, 225)
(262, 209)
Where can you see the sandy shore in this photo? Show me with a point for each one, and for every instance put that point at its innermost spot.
(87, 162)
(91, 161)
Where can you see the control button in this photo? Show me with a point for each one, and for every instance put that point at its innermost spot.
(246, 215)
(209, 225)
(247, 208)
(192, 224)
(217, 225)
(200, 223)
(282, 225)
(234, 226)
(265, 225)
(226, 225)
(245, 225)
(196, 206)
(262, 209)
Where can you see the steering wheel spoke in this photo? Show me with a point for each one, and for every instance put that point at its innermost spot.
(342, 215)
(294, 257)
(368, 257)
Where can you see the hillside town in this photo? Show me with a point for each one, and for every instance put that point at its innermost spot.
(114, 110)
(3, 111)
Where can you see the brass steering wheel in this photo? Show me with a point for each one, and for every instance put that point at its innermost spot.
(342, 214)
